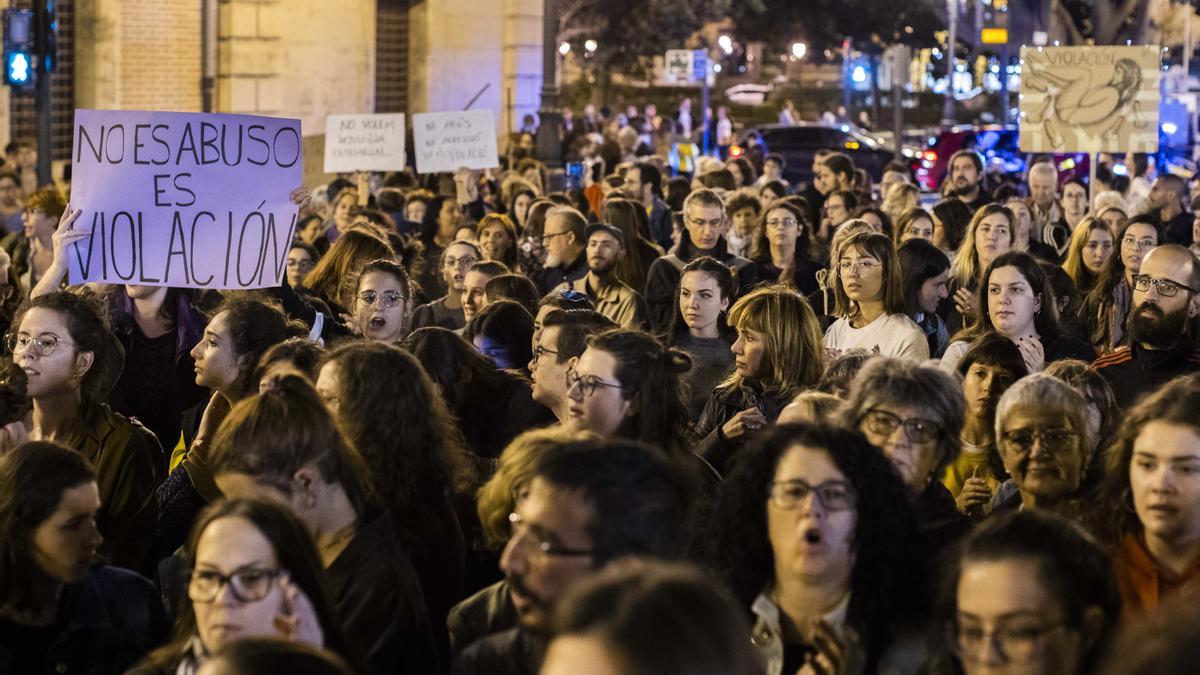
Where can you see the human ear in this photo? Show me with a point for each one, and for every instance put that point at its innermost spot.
(305, 486)
(83, 363)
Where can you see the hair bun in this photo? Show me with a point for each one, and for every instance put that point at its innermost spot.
(677, 361)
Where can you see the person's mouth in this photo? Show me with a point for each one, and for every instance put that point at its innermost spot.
(377, 323)
(575, 412)
(30, 372)
(1162, 509)
(812, 537)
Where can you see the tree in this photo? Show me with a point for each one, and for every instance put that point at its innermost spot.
(629, 31)
(1082, 22)
(823, 24)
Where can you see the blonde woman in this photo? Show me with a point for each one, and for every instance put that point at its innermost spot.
(777, 355)
(1092, 245)
(989, 234)
(900, 198)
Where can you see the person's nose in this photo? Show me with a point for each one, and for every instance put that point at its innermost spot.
(738, 346)
(512, 560)
(95, 539)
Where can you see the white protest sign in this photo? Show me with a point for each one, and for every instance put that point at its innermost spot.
(183, 199)
(1089, 99)
(449, 141)
(364, 142)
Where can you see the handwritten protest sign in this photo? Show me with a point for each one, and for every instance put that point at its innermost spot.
(1089, 99)
(364, 142)
(452, 140)
(181, 199)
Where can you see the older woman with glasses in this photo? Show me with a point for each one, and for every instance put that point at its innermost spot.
(1042, 432)
(816, 534)
(913, 413)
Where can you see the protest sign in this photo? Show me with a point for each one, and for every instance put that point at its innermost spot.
(183, 199)
(364, 143)
(452, 140)
(1089, 99)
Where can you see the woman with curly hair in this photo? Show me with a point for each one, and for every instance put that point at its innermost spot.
(332, 280)
(1151, 510)
(815, 533)
(405, 433)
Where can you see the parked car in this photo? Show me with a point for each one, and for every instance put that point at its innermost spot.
(798, 144)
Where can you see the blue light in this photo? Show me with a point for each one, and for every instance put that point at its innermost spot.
(17, 68)
(859, 74)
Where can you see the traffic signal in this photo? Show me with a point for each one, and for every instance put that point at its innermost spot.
(18, 48)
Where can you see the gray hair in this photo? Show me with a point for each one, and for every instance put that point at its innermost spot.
(1047, 393)
(888, 380)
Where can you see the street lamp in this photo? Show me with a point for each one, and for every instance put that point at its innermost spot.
(564, 48)
(590, 46)
(799, 49)
(549, 147)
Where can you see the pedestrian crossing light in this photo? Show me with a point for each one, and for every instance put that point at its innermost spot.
(16, 69)
(18, 48)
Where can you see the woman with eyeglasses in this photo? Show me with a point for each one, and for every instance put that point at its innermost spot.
(870, 302)
(1151, 509)
(60, 609)
(1019, 304)
(71, 360)
(382, 302)
(332, 278)
(1029, 593)
(913, 413)
(816, 534)
(1042, 434)
(988, 369)
(254, 573)
(1107, 305)
(301, 258)
(284, 445)
(447, 311)
(625, 384)
(782, 249)
(777, 355)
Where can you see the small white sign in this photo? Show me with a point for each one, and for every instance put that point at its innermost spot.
(448, 141)
(679, 64)
(364, 143)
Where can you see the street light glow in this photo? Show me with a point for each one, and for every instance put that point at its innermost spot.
(564, 48)
(590, 45)
(725, 43)
(799, 49)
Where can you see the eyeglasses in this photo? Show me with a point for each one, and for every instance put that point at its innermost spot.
(248, 585)
(779, 224)
(1138, 243)
(832, 495)
(463, 262)
(1017, 645)
(550, 235)
(854, 267)
(917, 430)
(705, 223)
(1165, 287)
(1053, 440)
(535, 547)
(588, 383)
(44, 344)
(387, 299)
(541, 351)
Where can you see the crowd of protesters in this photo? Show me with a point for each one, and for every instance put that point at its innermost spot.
(661, 421)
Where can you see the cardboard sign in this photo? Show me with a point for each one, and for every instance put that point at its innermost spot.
(453, 140)
(364, 143)
(182, 199)
(1089, 99)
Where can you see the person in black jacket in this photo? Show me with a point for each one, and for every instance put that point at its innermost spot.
(705, 224)
(777, 355)
(285, 443)
(62, 612)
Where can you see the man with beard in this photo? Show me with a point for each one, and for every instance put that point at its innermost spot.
(587, 504)
(1166, 300)
(1166, 203)
(610, 296)
(966, 179)
(564, 241)
(644, 185)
